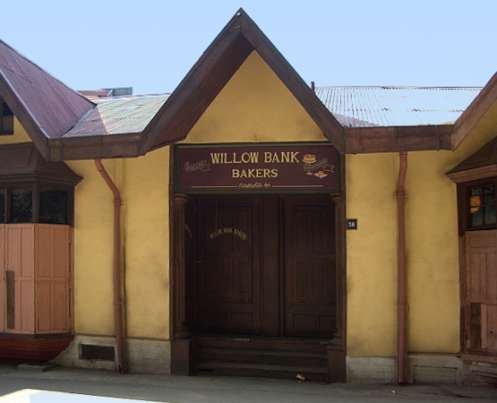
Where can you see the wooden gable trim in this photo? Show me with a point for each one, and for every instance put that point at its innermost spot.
(212, 71)
(474, 112)
(292, 80)
(21, 112)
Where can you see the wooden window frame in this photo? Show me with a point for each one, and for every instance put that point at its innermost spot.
(36, 187)
(463, 204)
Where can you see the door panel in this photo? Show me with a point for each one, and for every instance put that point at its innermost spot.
(19, 261)
(265, 265)
(52, 278)
(228, 275)
(310, 275)
(480, 293)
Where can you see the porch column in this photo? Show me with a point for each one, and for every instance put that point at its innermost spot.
(180, 344)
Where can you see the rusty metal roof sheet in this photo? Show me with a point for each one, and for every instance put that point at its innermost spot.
(352, 106)
(118, 115)
(367, 106)
(51, 104)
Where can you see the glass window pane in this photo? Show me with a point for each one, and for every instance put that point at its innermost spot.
(53, 207)
(482, 208)
(477, 219)
(21, 206)
(489, 202)
(2, 207)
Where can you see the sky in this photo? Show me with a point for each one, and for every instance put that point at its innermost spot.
(151, 44)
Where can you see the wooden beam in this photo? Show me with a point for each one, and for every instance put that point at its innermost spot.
(397, 139)
(488, 171)
(91, 147)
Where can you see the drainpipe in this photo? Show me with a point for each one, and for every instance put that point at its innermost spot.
(117, 273)
(401, 273)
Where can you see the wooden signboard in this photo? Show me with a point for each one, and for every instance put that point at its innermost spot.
(261, 168)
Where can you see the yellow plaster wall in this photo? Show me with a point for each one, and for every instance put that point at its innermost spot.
(432, 250)
(144, 185)
(147, 244)
(93, 250)
(370, 181)
(254, 106)
(20, 135)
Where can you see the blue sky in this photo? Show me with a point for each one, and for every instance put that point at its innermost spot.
(151, 44)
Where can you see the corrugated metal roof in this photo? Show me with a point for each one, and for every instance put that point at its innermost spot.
(51, 104)
(365, 106)
(119, 115)
(353, 106)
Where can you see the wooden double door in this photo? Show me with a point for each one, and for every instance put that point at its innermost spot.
(262, 266)
(479, 296)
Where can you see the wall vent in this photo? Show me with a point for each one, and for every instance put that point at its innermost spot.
(94, 352)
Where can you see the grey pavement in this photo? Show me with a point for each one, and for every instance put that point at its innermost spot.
(202, 389)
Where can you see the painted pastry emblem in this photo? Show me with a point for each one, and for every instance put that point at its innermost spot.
(318, 168)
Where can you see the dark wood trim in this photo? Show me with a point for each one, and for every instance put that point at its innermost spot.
(197, 90)
(474, 112)
(179, 269)
(473, 174)
(397, 138)
(463, 314)
(340, 203)
(91, 147)
(214, 68)
(172, 252)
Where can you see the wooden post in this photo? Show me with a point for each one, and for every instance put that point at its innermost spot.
(181, 343)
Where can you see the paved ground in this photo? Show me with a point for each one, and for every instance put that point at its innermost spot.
(227, 389)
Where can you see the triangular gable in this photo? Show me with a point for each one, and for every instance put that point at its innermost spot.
(45, 106)
(212, 71)
(485, 101)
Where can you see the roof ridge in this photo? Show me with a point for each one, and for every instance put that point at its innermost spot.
(43, 70)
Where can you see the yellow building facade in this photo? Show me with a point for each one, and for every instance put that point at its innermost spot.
(255, 106)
